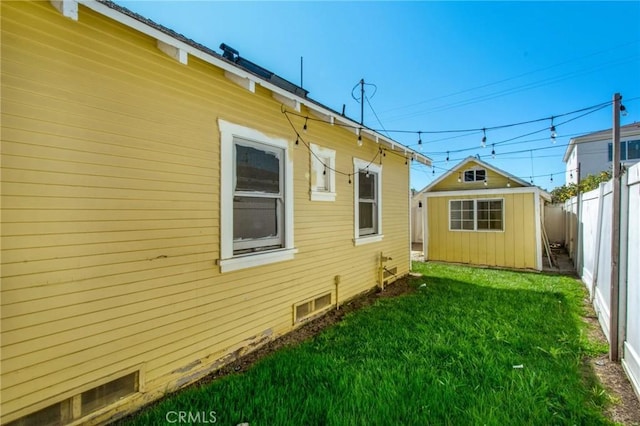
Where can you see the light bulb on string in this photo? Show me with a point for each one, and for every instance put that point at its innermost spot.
(551, 178)
(553, 131)
(459, 177)
(297, 139)
(433, 171)
(531, 179)
(571, 175)
(359, 137)
(623, 110)
(493, 151)
(419, 138)
(485, 182)
(508, 183)
(304, 128)
(447, 156)
(484, 138)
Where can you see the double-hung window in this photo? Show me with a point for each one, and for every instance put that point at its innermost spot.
(476, 215)
(256, 198)
(367, 202)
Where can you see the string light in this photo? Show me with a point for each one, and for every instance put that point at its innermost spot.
(360, 137)
(531, 179)
(419, 138)
(553, 131)
(551, 178)
(484, 138)
(297, 139)
(493, 151)
(433, 171)
(459, 177)
(447, 156)
(508, 183)
(304, 128)
(623, 110)
(485, 182)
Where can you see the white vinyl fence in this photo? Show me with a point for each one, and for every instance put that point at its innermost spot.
(588, 239)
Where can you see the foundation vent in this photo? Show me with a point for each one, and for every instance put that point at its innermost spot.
(309, 308)
(82, 404)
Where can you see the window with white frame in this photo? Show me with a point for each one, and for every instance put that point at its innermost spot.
(367, 201)
(476, 215)
(323, 164)
(629, 150)
(256, 198)
(475, 175)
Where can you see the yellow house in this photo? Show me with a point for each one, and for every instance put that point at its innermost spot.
(478, 214)
(166, 208)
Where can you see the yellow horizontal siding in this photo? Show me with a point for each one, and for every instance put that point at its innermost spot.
(111, 211)
(515, 247)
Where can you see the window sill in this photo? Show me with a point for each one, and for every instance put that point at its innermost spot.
(258, 259)
(323, 196)
(368, 239)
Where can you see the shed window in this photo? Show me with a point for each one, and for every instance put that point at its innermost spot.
(475, 175)
(476, 215)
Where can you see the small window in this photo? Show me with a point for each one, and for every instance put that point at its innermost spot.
(476, 215)
(623, 150)
(322, 177)
(368, 202)
(489, 215)
(633, 150)
(475, 175)
(462, 215)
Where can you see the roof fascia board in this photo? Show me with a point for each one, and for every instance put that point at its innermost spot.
(492, 191)
(232, 69)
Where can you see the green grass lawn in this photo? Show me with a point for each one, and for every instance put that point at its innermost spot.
(469, 347)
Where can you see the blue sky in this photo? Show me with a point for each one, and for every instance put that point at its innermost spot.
(440, 66)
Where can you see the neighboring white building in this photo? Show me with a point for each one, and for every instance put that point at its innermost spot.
(594, 151)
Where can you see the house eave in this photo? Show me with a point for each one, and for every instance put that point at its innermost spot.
(187, 47)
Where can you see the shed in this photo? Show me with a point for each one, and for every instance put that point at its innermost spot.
(481, 215)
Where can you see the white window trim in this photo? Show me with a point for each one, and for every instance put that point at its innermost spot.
(228, 262)
(475, 215)
(317, 167)
(375, 168)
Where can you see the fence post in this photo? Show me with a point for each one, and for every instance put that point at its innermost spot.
(614, 353)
